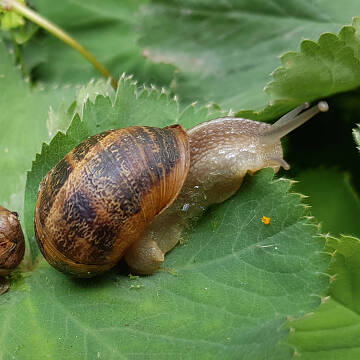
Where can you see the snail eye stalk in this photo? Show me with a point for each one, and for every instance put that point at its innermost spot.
(291, 121)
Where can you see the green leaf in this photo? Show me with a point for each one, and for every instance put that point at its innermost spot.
(226, 292)
(23, 127)
(236, 283)
(331, 65)
(10, 20)
(61, 118)
(333, 200)
(225, 51)
(333, 331)
(106, 29)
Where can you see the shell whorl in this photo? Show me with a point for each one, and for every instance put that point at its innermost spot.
(102, 195)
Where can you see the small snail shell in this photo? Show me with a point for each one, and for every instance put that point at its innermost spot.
(12, 244)
(114, 194)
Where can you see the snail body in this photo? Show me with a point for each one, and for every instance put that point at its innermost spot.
(12, 244)
(123, 192)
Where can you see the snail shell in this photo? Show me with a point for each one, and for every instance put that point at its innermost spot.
(99, 199)
(12, 244)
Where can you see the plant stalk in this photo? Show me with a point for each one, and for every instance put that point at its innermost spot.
(57, 32)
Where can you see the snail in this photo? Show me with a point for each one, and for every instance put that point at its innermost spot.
(12, 243)
(130, 192)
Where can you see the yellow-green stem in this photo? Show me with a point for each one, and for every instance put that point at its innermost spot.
(56, 31)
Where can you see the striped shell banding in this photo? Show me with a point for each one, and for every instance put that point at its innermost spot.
(99, 199)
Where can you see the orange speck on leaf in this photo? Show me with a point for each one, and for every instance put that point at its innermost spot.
(265, 220)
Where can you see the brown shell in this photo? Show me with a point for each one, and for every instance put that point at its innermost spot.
(12, 244)
(99, 199)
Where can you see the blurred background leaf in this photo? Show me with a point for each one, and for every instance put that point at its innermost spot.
(333, 330)
(225, 51)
